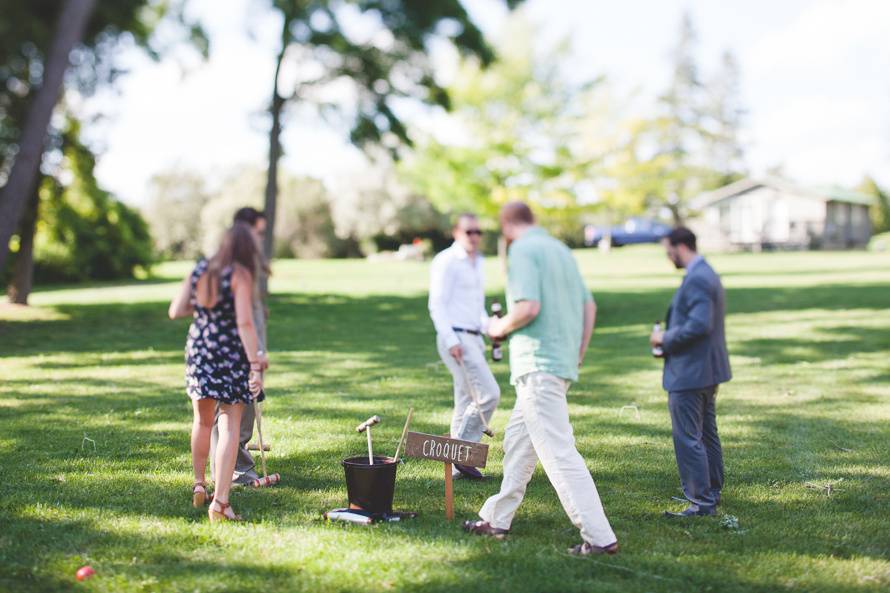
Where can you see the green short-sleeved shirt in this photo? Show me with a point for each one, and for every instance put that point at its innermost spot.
(540, 268)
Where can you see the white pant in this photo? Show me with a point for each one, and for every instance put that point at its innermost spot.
(539, 429)
(465, 422)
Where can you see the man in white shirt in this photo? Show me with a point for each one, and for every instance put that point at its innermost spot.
(457, 307)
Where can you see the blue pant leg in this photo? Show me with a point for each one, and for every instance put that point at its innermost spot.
(714, 449)
(687, 410)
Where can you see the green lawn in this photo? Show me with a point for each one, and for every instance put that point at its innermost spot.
(95, 463)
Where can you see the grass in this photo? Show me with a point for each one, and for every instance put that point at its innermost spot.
(94, 439)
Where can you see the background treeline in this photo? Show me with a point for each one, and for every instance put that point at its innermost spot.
(521, 125)
(187, 213)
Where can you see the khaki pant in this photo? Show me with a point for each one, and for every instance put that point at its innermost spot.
(539, 429)
(465, 422)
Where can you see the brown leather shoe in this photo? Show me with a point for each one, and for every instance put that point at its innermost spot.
(469, 472)
(485, 528)
(587, 549)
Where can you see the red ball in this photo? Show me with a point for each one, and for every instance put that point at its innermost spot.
(85, 572)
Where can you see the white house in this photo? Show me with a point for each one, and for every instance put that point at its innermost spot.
(775, 214)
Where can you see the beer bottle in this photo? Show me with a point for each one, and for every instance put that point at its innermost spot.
(657, 351)
(497, 354)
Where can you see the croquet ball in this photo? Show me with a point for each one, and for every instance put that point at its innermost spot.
(85, 572)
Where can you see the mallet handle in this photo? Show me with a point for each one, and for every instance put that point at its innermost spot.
(475, 396)
(370, 450)
(258, 411)
(404, 432)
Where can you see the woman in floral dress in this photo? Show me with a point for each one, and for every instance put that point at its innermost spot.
(222, 361)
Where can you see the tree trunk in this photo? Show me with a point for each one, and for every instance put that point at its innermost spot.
(675, 214)
(69, 31)
(272, 174)
(23, 271)
(276, 107)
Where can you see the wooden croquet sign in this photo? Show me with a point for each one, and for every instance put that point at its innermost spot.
(449, 451)
(428, 446)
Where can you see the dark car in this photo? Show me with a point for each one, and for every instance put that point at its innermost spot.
(633, 231)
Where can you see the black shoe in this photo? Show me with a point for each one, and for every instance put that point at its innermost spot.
(469, 472)
(686, 500)
(693, 510)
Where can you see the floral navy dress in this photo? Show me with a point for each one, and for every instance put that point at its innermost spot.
(216, 364)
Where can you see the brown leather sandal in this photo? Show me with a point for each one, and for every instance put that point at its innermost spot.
(200, 496)
(485, 528)
(220, 515)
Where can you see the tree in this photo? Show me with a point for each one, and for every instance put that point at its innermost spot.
(678, 129)
(693, 143)
(22, 280)
(26, 33)
(176, 199)
(521, 138)
(383, 59)
(85, 233)
(633, 179)
(305, 224)
(69, 30)
(377, 211)
(306, 227)
(723, 119)
(880, 210)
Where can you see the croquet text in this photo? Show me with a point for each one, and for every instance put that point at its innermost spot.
(456, 453)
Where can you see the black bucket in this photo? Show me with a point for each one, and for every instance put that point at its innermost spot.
(370, 487)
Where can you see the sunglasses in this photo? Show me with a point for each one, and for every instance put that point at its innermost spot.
(474, 232)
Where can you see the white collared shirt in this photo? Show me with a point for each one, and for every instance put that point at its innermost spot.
(457, 293)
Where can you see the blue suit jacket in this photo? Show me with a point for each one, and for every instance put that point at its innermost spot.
(695, 354)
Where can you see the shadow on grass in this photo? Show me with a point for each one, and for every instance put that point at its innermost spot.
(367, 324)
(845, 341)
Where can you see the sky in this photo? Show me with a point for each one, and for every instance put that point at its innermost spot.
(815, 83)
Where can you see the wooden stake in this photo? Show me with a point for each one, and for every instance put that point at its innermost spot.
(449, 494)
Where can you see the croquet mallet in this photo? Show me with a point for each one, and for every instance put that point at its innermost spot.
(475, 396)
(266, 480)
(366, 427)
(404, 432)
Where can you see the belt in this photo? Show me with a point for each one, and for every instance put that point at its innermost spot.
(474, 332)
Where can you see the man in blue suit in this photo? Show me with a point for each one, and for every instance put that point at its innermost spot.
(696, 362)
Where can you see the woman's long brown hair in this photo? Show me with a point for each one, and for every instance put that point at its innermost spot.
(238, 246)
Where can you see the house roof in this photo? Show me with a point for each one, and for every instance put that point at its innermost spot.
(836, 193)
(832, 193)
